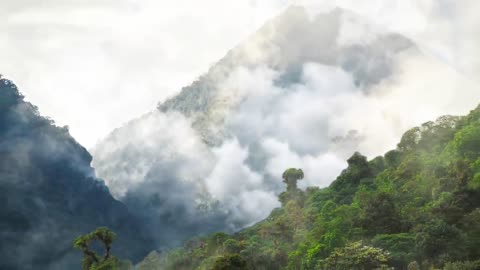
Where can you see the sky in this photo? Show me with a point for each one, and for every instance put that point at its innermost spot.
(95, 64)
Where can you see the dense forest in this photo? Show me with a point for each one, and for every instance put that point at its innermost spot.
(416, 207)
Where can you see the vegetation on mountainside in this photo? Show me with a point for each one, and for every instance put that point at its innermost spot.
(416, 207)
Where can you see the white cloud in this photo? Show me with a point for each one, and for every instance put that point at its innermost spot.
(319, 170)
(94, 65)
(129, 156)
(449, 30)
(230, 174)
(317, 123)
(238, 188)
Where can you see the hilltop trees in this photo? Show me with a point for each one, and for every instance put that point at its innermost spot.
(291, 177)
(91, 260)
(230, 262)
(356, 256)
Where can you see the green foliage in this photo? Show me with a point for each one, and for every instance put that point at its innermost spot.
(413, 266)
(358, 173)
(378, 213)
(232, 246)
(292, 195)
(91, 260)
(467, 141)
(230, 262)
(356, 256)
(291, 176)
(467, 265)
(416, 208)
(401, 247)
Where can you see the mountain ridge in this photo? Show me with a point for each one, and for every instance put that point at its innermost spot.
(49, 192)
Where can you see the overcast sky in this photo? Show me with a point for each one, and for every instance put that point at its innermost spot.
(95, 64)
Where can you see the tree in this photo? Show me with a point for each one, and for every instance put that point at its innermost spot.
(413, 266)
(467, 141)
(232, 246)
(378, 213)
(347, 183)
(291, 176)
(91, 260)
(230, 262)
(356, 256)
(439, 239)
(410, 139)
(401, 247)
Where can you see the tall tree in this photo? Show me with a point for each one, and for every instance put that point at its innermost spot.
(291, 177)
(91, 260)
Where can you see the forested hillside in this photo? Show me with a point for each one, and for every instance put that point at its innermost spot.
(416, 207)
(49, 193)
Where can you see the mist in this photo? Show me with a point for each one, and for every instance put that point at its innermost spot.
(306, 90)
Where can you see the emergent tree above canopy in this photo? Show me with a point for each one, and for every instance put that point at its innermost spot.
(291, 176)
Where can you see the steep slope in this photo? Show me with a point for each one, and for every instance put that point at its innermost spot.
(304, 91)
(49, 193)
(416, 207)
(284, 45)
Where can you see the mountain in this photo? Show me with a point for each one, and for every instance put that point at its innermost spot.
(49, 193)
(416, 207)
(306, 90)
(285, 44)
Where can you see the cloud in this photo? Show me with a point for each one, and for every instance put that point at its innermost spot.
(448, 30)
(94, 65)
(162, 170)
(238, 188)
(319, 170)
(126, 160)
(325, 106)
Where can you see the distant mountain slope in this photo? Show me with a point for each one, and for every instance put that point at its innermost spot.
(285, 44)
(418, 205)
(305, 91)
(49, 194)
